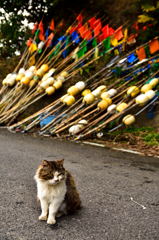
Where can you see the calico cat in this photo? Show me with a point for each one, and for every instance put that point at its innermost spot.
(56, 191)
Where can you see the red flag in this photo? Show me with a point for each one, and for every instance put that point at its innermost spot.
(41, 27)
(35, 27)
(82, 31)
(154, 46)
(72, 29)
(92, 21)
(52, 25)
(88, 35)
(41, 33)
(132, 39)
(135, 26)
(97, 23)
(41, 36)
(105, 31)
(111, 31)
(60, 26)
(97, 30)
(78, 26)
(79, 18)
(29, 42)
(101, 37)
(118, 34)
(141, 53)
(49, 39)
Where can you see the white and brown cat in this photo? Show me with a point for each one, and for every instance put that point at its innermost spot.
(56, 191)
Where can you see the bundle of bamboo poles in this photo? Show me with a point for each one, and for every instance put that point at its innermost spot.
(94, 123)
(77, 117)
(26, 85)
(73, 115)
(66, 117)
(102, 73)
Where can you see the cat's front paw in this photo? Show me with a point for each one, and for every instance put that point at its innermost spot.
(43, 217)
(51, 221)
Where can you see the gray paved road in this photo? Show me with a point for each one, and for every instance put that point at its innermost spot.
(106, 181)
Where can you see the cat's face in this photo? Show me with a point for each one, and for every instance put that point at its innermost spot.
(52, 171)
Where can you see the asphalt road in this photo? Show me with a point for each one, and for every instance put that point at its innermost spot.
(106, 181)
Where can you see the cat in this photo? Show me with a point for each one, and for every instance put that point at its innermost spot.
(56, 191)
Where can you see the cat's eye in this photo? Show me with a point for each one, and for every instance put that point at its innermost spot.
(60, 174)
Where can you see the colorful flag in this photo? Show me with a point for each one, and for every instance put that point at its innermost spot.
(131, 58)
(31, 61)
(141, 53)
(125, 34)
(92, 21)
(105, 31)
(116, 52)
(79, 18)
(96, 52)
(88, 35)
(71, 29)
(47, 33)
(82, 30)
(118, 34)
(83, 49)
(114, 42)
(49, 39)
(135, 26)
(41, 36)
(33, 47)
(111, 31)
(101, 37)
(97, 23)
(154, 46)
(94, 42)
(75, 37)
(97, 30)
(52, 25)
(41, 33)
(131, 39)
(29, 42)
(35, 27)
(106, 43)
(41, 27)
(66, 51)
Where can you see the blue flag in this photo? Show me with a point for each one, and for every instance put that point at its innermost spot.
(131, 58)
(75, 37)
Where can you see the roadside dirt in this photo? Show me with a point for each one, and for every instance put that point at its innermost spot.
(131, 142)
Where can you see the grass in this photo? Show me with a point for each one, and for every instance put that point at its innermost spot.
(152, 139)
(147, 134)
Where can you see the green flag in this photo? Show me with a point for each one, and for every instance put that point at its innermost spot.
(56, 51)
(83, 49)
(37, 35)
(94, 42)
(106, 43)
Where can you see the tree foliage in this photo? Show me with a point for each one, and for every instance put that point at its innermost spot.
(13, 14)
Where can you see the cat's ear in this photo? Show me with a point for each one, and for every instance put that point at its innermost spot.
(60, 161)
(45, 163)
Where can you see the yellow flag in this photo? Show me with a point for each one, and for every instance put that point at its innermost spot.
(125, 34)
(114, 42)
(96, 53)
(68, 30)
(116, 52)
(33, 47)
(31, 61)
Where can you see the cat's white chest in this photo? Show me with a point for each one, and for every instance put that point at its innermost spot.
(50, 192)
